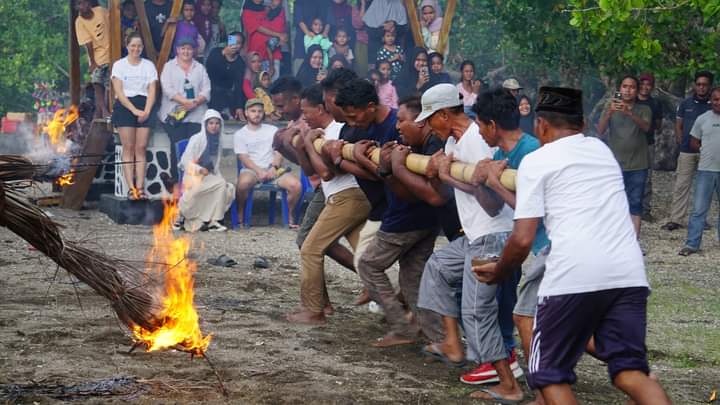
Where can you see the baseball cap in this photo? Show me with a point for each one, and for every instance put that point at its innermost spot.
(647, 76)
(511, 84)
(436, 98)
(252, 102)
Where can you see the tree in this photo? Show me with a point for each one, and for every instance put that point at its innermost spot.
(34, 47)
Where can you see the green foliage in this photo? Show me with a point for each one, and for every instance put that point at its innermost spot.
(671, 38)
(34, 47)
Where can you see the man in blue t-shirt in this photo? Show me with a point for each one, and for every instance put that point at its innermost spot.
(498, 117)
(687, 162)
(409, 226)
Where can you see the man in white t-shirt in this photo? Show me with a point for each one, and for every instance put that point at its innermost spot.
(253, 145)
(346, 209)
(595, 283)
(448, 271)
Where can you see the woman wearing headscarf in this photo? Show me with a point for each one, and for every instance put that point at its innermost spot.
(414, 78)
(431, 21)
(527, 115)
(311, 71)
(377, 14)
(206, 195)
(265, 29)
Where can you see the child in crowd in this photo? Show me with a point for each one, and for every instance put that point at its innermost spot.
(186, 29)
(252, 73)
(338, 61)
(203, 21)
(373, 76)
(262, 86)
(318, 39)
(385, 88)
(341, 46)
(92, 26)
(219, 34)
(392, 53)
(128, 21)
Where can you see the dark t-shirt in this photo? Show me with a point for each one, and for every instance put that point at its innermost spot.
(657, 113)
(374, 190)
(226, 76)
(400, 216)
(448, 213)
(688, 111)
(157, 15)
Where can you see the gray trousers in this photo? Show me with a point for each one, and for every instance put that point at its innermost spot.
(449, 272)
(314, 208)
(412, 250)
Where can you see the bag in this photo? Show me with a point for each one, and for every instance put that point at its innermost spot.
(176, 116)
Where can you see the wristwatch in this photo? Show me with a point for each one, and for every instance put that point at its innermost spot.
(337, 162)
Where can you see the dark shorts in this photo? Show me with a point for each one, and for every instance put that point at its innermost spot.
(564, 324)
(635, 189)
(122, 117)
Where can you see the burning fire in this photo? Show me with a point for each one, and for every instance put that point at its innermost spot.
(180, 327)
(62, 118)
(66, 179)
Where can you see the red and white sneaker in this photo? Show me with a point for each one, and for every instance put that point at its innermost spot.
(486, 373)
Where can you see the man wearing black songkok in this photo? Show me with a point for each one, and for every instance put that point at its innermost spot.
(595, 283)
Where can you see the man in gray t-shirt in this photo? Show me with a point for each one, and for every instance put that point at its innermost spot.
(705, 136)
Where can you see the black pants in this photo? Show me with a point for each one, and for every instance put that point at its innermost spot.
(177, 133)
(220, 99)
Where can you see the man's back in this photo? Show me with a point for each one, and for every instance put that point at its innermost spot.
(576, 186)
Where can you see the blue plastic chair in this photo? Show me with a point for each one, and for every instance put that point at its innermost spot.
(273, 190)
(179, 150)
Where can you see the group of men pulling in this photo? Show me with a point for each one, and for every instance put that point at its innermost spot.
(586, 292)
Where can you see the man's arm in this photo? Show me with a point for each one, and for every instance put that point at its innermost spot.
(333, 150)
(513, 255)
(640, 120)
(247, 163)
(315, 159)
(421, 187)
(604, 122)
(91, 57)
(678, 130)
(695, 144)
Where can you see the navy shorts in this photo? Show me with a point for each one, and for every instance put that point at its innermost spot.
(635, 189)
(122, 117)
(564, 324)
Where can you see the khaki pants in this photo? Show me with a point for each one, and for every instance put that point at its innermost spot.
(686, 167)
(367, 234)
(411, 250)
(344, 215)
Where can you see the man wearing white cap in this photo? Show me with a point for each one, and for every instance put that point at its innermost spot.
(512, 85)
(448, 271)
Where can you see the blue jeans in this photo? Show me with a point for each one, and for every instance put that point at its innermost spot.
(635, 189)
(705, 183)
(507, 298)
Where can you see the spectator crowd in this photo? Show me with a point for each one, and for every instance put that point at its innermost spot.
(353, 74)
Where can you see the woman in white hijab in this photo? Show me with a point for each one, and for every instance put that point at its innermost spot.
(206, 195)
(431, 20)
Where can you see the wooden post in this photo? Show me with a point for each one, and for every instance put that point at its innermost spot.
(169, 37)
(413, 18)
(445, 29)
(95, 146)
(116, 44)
(73, 56)
(150, 50)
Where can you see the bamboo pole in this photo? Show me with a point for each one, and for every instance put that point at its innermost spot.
(445, 29)
(412, 16)
(116, 44)
(418, 163)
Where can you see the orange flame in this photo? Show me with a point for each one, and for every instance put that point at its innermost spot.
(180, 326)
(66, 179)
(62, 118)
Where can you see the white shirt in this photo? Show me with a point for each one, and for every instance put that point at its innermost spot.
(575, 184)
(257, 143)
(340, 182)
(471, 148)
(172, 81)
(135, 78)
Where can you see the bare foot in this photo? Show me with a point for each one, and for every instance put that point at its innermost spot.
(630, 401)
(498, 394)
(451, 352)
(328, 310)
(391, 339)
(363, 299)
(306, 317)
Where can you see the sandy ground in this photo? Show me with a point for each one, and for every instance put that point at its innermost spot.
(55, 332)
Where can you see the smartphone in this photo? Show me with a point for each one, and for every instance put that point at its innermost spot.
(322, 72)
(618, 95)
(232, 40)
(424, 70)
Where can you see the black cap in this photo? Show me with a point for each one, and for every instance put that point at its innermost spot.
(561, 100)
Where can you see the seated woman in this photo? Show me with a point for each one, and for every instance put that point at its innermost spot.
(312, 70)
(206, 195)
(431, 21)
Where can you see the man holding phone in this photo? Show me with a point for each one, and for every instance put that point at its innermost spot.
(627, 123)
(226, 69)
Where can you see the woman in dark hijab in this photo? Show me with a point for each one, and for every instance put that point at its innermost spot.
(527, 115)
(414, 78)
(311, 69)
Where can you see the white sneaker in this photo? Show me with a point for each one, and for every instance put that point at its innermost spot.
(215, 226)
